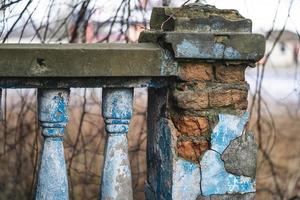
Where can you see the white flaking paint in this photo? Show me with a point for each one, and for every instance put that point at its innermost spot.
(186, 180)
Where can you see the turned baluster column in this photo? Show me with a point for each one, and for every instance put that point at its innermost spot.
(117, 112)
(53, 117)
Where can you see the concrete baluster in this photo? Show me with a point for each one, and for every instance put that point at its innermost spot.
(117, 112)
(53, 117)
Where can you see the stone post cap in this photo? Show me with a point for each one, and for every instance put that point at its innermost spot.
(199, 18)
(203, 32)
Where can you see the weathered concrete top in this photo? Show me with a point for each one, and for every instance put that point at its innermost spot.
(203, 32)
(80, 60)
(213, 47)
(199, 18)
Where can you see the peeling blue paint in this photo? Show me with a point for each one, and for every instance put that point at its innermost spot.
(192, 49)
(228, 128)
(206, 50)
(215, 179)
(117, 128)
(53, 132)
(186, 180)
(116, 178)
(161, 160)
(118, 104)
(231, 53)
(117, 112)
(188, 167)
(52, 180)
(53, 116)
(218, 50)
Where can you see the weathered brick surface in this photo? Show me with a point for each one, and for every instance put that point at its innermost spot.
(211, 98)
(230, 74)
(191, 126)
(191, 99)
(192, 149)
(196, 71)
(202, 88)
(192, 85)
(229, 97)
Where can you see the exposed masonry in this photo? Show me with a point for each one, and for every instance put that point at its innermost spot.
(198, 125)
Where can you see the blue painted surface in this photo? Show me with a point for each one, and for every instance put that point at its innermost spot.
(116, 178)
(53, 116)
(118, 104)
(231, 54)
(192, 49)
(52, 180)
(228, 128)
(215, 179)
(189, 167)
(218, 50)
(117, 112)
(186, 180)
(206, 50)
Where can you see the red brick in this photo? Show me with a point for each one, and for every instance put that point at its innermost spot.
(195, 100)
(191, 126)
(229, 97)
(192, 149)
(230, 74)
(195, 71)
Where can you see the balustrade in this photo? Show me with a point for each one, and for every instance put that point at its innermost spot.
(192, 60)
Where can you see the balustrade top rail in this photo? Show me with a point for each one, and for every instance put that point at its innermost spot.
(80, 60)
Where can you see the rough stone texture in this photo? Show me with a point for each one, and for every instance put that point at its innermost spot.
(216, 47)
(223, 98)
(80, 60)
(223, 47)
(193, 149)
(204, 18)
(230, 74)
(191, 85)
(240, 156)
(193, 98)
(195, 71)
(191, 126)
(246, 196)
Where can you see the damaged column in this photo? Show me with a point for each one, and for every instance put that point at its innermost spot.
(198, 145)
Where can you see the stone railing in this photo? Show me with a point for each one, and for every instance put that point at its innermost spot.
(192, 61)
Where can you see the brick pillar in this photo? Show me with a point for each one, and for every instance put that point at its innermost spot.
(198, 145)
